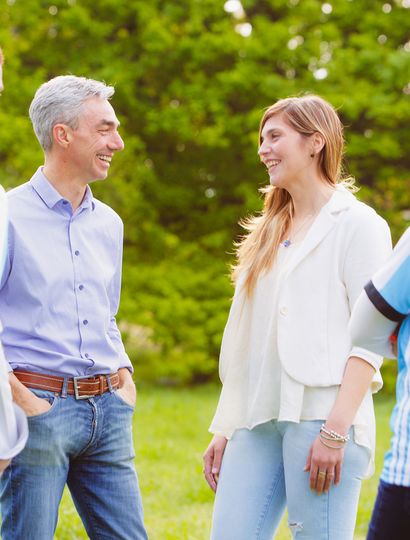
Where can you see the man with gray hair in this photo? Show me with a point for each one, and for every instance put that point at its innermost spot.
(59, 296)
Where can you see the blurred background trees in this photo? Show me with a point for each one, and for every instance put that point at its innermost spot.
(192, 79)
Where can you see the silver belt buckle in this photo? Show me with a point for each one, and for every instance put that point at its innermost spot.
(77, 390)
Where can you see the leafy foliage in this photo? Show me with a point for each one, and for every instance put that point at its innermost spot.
(190, 90)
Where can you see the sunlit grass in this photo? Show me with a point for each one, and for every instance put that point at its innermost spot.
(170, 430)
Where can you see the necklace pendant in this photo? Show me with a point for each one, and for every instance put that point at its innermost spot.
(286, 243)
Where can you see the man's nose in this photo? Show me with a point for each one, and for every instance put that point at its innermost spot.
(117, 143)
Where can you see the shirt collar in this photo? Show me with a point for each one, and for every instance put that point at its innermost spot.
(44, 189)
(51, 197)
(88, 201)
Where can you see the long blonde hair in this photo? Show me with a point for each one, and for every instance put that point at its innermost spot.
(257, 249)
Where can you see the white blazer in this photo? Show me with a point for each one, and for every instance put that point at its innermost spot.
(346, 244)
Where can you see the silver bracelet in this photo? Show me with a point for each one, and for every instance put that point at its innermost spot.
(334, 436)
(331, 445)
(327, 438)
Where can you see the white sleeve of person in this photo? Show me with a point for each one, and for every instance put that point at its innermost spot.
(384, 303)
(13, 421)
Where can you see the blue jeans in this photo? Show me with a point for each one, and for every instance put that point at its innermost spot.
(86, 444)
(262, 473)
(391, 513)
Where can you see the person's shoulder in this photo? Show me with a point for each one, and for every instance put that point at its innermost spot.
(362, 214)
(105, 211)
(19, 198)
(404, 242)
(361, 221)
(20, 192)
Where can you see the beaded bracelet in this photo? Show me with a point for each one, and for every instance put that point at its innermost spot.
(334, 436)
(331, 445)
(327, 438)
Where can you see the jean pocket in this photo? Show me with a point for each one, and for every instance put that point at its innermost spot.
(122, 400)
(51, 398)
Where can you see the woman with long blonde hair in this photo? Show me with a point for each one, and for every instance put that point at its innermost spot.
(296, 402)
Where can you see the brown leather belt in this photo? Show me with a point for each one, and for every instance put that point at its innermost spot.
(80, 387)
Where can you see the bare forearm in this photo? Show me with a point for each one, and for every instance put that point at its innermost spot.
(356, 381)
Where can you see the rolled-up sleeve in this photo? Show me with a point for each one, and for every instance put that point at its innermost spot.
(384, 303)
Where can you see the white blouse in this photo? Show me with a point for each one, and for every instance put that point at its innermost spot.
(256, 387)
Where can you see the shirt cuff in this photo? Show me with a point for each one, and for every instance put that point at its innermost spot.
(375, 360)
(371, 358)
(227, 433)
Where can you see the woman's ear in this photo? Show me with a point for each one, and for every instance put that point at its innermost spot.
(317, 143)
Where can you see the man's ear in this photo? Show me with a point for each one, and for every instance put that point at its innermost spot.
(62, 135)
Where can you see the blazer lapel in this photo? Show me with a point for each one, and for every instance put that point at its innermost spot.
(323, 224)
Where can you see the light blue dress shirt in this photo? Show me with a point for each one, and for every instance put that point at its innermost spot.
(60, 290)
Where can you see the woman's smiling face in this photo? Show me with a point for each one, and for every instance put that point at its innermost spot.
(284, 152)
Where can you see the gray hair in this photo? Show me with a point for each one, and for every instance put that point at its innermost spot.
(60, 101)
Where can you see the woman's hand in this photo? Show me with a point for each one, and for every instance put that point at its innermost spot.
(213, 460)
(325, 466)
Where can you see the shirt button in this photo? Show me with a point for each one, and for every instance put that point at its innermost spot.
(76, 252)
(86, 355)
(283, 311)
(81, 287)
(65, 202)
(85, 321)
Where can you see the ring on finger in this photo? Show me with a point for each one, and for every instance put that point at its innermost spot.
(322, 474)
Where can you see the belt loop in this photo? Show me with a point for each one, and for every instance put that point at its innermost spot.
(110, 388)
(64, 388)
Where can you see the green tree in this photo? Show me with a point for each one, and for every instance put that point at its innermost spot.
(191, 82)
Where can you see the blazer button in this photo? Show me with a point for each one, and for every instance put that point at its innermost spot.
(283, 311)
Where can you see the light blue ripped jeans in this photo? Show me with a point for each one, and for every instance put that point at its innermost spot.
(262, 473)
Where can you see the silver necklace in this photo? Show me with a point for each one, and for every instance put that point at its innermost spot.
(287, 242)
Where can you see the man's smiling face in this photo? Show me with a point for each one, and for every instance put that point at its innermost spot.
(95, 140)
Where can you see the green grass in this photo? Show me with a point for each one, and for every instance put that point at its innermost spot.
(170, 433)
